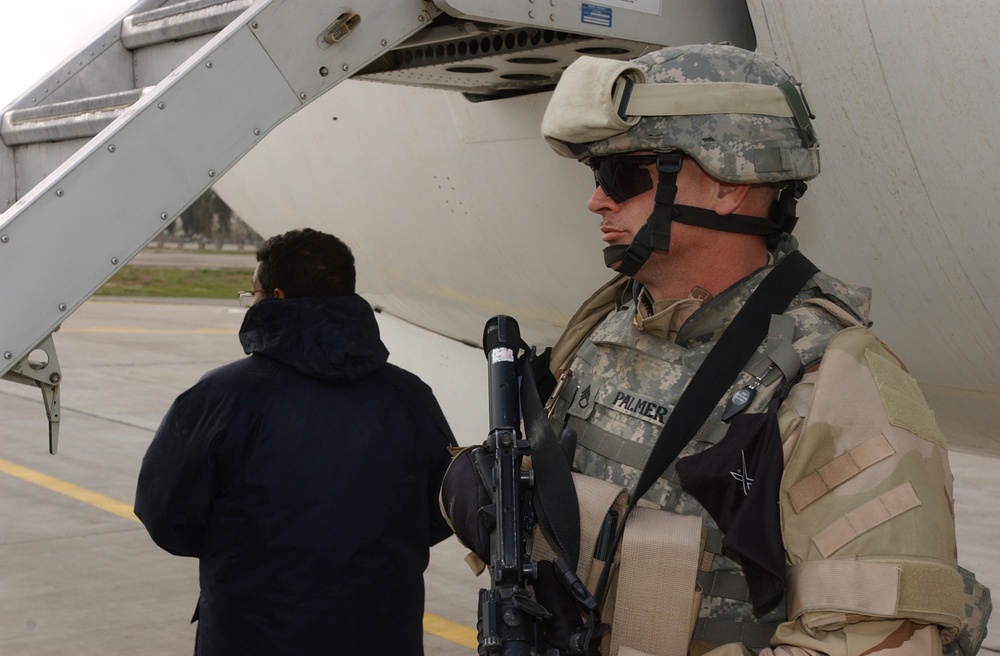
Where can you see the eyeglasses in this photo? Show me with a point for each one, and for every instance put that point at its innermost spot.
(246, 296)
(626, 176)
(623, 176)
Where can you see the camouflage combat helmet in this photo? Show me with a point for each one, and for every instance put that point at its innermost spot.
(739, 115)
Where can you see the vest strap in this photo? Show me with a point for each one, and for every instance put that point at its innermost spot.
(608, 445)
(659, 551)
(823, 585)
(721, 631)
(726, 585)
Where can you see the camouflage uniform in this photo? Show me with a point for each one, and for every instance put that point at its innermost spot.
(624, 381)
(865, 498)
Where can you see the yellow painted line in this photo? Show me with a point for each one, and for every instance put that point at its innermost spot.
(433, 624)
(151, 331)
(113, 506)
(451, 631)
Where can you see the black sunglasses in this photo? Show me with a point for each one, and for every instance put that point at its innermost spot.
(623, 176)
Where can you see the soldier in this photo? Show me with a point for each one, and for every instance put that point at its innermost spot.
(820, 479)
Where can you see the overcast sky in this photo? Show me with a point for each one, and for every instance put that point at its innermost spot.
(39, 34)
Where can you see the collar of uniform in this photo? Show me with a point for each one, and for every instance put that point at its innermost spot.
(664, 318)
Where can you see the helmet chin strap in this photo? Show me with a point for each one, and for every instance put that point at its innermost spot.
(655, 233)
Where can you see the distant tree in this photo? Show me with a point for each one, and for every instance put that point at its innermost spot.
(208, 215)
(209, 219)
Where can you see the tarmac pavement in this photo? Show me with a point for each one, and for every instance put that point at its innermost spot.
(194, 258)
(80, 576)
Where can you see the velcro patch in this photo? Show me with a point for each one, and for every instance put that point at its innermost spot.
(866, 517)
(838, 471)
(903, 401)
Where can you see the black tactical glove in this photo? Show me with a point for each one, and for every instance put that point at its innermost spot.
(464, 495)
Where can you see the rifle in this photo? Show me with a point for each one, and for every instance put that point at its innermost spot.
(509, 618)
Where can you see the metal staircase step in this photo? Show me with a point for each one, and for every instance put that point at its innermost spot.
(85, 117)
(72, 119)
(180, 21)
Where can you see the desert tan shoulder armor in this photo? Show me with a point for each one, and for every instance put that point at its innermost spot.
(866, 498)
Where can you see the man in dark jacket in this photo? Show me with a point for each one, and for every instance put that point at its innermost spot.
(304, 477)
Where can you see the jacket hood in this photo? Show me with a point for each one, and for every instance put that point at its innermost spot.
(330, 337)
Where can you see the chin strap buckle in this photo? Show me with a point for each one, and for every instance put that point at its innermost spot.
(783, 209)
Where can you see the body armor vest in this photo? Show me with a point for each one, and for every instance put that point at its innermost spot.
(624, 383)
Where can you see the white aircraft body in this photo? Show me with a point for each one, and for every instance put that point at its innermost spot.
(458, 210)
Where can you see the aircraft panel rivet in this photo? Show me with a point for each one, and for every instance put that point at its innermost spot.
(256, 132)
(302, 95)
(111, 148)
(4, 239)
(384, 43)
(59, 192)
(344, 68)
(7, 355)
(254, 25)
(208, 64)
(163, 216)
(55, 378)
(531, 14)
(211, 173)
(324, 71)
(161, 105)
(62, 307)
(114, 260)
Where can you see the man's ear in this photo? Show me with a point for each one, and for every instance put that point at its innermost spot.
(279, 293)
(730, 197)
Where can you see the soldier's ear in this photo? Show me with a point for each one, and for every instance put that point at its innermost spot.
(730, 197)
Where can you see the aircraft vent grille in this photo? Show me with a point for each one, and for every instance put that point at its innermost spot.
(488, 63)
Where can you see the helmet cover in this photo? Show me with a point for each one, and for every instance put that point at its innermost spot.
(733, 140)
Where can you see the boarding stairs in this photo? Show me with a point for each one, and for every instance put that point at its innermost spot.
(114, 143)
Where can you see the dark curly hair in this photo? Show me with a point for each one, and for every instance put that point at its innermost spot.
(306, 263)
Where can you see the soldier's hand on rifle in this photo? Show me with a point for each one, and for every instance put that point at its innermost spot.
(465, 499)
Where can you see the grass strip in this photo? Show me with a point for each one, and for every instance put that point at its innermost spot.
(177, 283)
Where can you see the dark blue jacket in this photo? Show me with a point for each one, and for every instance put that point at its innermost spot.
(305, 480)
